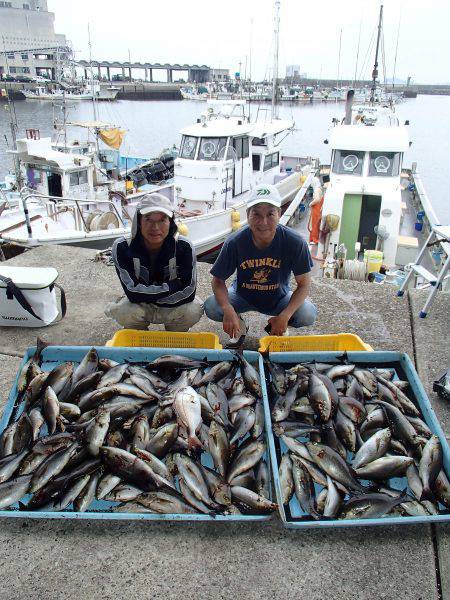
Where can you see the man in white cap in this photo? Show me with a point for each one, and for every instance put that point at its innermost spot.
(157, 270)
(264, 255)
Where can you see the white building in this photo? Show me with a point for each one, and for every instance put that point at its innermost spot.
(219, 75)
(293, 71)
(30, 45)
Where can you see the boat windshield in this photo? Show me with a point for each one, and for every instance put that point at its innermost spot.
(348, 162)
(212, 148)
(384, 164)
(188, 147)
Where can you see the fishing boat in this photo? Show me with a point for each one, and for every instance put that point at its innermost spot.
(73, 94)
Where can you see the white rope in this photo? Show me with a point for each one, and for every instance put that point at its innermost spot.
(354, 270)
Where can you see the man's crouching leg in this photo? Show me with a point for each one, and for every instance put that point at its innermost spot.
(180, 318)
(128, 314)
(305, 316)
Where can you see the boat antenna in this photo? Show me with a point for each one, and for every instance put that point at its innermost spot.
(275, 61)
(375, 66)
(396, 50)
(13, 125)
(357, 52)
(339, 59)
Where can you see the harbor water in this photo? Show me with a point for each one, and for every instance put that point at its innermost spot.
(154, 125)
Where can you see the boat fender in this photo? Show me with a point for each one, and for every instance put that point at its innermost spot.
(235, 220)
(183, 229)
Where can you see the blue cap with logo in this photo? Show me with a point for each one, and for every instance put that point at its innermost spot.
(264, 194)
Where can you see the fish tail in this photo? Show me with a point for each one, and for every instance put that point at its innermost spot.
(40, 345)
(427, 494)
(194, 442)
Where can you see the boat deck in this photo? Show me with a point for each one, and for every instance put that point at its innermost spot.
(407, 228)
(251, 561)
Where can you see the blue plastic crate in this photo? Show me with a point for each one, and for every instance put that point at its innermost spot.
(295, 517)
(100, 509)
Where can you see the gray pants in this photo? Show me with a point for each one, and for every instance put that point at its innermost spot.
(139, 316)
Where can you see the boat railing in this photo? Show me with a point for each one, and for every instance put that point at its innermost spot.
(56, 205)
(422, 202)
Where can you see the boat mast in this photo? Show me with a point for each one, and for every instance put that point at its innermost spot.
(375, 66)
(275, 61)
(94, 103)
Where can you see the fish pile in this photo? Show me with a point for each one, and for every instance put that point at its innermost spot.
(345, 434)
(175, 435)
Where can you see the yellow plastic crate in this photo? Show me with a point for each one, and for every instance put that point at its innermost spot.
(164, 339)
(313, 343)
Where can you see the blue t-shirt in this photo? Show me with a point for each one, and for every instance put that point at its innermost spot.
(263, 276)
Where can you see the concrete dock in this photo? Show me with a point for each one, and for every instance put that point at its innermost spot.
(53, 559)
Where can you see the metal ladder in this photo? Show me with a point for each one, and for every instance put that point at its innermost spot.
(438, 234)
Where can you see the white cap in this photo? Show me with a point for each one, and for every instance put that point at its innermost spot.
(264, 194)
(155, 203)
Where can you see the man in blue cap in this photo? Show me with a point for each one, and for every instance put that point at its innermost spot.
(264, 256)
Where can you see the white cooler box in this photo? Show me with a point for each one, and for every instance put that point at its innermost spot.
(28, 297)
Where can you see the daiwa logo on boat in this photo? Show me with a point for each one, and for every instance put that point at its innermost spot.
(263, 192)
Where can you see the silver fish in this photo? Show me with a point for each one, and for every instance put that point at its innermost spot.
(219, 489)
(87, 494)
(246, 458)
(334, 465)
(262, 479)
(165, 503)
(51, 409)
(319, 398)
(252, 499)
(303, 487)
(106, 484)
(87, 366)
(375, 447)
(244, 421)
(67, 497)
(51, 467)
(258, 427)
(283, 404)
(192, 475)
(345, 429)
(219, 447)
(414, 481)
(10, 464)
(430, 465)
(370, 506)
(13, 490)
(216, 372)
(123, 493)
(333, 501)
(96, 433)
(384, 467)
(140, 431)
(286, 479)
(113, 376)
(249, 375)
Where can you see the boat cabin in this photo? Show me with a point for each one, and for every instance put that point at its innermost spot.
(54, 173)
(365, 189)
(223, 158)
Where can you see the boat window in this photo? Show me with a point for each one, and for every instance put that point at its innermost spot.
(210, 148)
(271, 160)
(259, 141)
(188, 147)
(384, 164)
(348, 162)
(78, 178)
(237, 145)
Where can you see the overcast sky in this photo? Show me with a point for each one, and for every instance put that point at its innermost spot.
(221, 34)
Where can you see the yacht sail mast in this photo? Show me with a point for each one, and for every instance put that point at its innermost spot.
(275, 60)
(375, 66)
